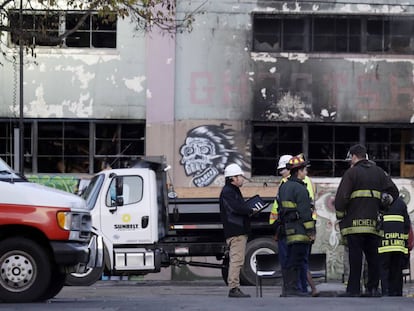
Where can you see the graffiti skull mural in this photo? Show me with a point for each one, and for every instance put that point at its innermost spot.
(206, 152)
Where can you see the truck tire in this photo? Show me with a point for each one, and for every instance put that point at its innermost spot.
(254, 247)
(56, 284)
(91, 276)
(25, 272)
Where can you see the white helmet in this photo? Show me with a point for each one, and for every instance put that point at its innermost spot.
(232, 170)
(284, 159)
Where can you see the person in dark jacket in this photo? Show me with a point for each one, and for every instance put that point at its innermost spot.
(393, 248)
(296, 217)
(358, 206)
(235, 214)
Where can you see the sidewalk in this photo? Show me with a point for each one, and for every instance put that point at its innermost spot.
(217, 287)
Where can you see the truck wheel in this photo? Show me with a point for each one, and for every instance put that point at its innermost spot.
(25, 272)
(56, 284)
(91, 276)
(254, 247)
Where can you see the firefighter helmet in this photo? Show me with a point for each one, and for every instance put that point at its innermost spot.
(233, 170)
(283, 160)
(296, 162)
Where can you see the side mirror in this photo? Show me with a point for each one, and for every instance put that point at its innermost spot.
(119, 200)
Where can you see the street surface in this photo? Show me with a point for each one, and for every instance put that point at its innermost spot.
(204, 295)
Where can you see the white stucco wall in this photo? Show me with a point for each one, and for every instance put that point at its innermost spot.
(78, 83)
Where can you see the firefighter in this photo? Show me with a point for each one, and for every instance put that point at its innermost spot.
(305, 277)
(358, 205)
(296, 217)
(274, 220)
(393, 248)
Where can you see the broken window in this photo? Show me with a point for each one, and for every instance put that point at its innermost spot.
(378, 35)
(69, 146)
(336, 34)
(267, 32)
(384, 148)
(271, 142)
(333, 33)
(117, 145)
(39, 27)
(294, 34)
(327, 146)
(401, 36)
(63, 147)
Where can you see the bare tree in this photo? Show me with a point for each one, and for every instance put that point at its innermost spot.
(46, 25)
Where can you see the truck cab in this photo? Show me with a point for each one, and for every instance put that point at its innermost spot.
(145, 226)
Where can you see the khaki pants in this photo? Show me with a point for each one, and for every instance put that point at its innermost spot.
(237, 246)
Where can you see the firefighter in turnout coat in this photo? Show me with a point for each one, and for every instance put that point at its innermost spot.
(296, 217)
(358, 206)
(393, 248)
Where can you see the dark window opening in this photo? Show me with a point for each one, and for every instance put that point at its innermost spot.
(42, 28)
(74, 147)
(39, 28)
(269, 143)
(96, 31)
(333, 33)
(327, 146)
(340, 35)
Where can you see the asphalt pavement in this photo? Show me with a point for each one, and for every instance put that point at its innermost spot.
(205, 295)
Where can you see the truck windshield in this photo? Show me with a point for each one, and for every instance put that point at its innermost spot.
(7, 173)
(91, 193)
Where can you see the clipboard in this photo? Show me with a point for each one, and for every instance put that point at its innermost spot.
(256, 202)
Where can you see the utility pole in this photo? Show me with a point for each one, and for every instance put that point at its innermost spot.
(21, 102)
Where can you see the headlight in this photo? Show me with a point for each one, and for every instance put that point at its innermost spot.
(69, 221)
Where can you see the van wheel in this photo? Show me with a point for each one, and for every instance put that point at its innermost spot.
(56, 284)
(25, 272)
(254, 247)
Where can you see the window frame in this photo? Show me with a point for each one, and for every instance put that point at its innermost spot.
(339, 139)
(358, 35)
(62, 26)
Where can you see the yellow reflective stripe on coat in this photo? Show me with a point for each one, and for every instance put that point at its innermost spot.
(309, 224)
(340, 214)
(361, 229)
(387, 249)
(289, 204)
(309, 187)
(398, 218)
(297, 238)
(274, 214)
(366, 194)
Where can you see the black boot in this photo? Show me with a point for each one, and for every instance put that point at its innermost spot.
(292, 290)
(237, 293)
(284, 282)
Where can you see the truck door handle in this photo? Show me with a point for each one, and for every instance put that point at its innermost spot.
(144, 222)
